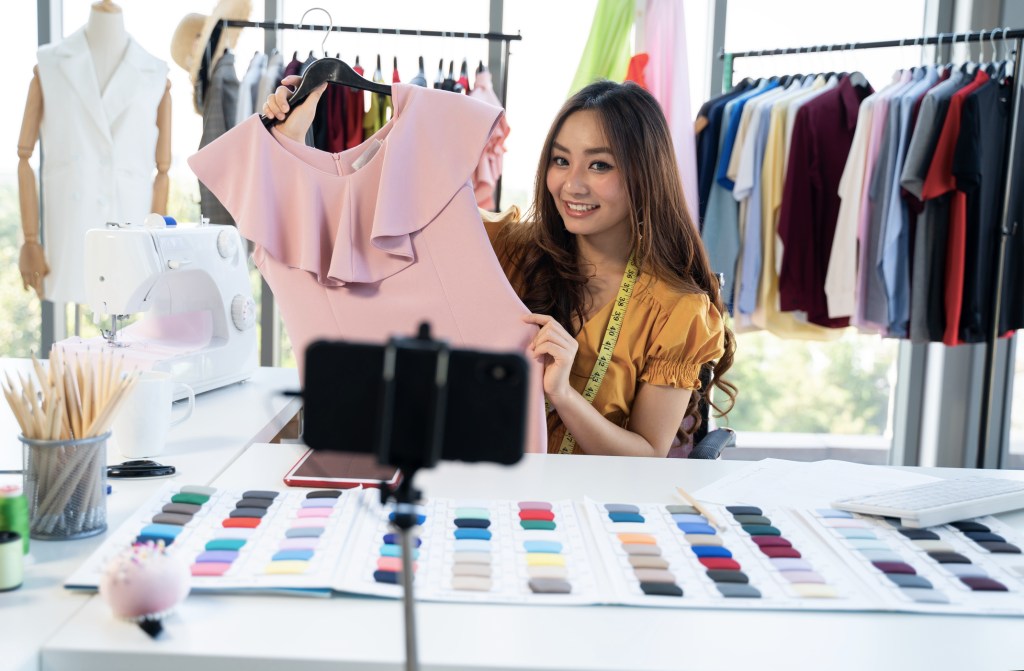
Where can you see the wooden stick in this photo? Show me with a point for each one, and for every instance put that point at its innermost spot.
(17, 409)
(102, 423)
(700, 508)
(74, 402)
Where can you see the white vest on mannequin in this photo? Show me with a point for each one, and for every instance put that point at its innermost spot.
(107, 40)
(101, 92)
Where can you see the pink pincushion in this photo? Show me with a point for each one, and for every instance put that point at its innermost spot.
(144, 583)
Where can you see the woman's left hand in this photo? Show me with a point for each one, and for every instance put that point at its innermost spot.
(558, 348)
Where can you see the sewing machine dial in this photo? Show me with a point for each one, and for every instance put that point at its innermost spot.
(226, 243)
(243, 312)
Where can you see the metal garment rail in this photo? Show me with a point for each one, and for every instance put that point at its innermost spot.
(504, 38)
(1008, 226)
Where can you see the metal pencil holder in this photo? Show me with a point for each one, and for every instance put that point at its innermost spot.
(66, 487)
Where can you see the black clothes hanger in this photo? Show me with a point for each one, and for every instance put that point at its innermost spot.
(378, 73)
(481, 68)
(464, 71)
(394, 63)
(421, 72)
(332, 71)
(439, 80)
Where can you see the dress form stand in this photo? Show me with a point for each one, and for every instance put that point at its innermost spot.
(107, 40)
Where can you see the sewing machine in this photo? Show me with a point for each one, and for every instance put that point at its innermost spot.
(191, 282)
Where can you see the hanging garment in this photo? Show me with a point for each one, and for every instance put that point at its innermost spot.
(364, 253)
(218, 104)
(940, 180)
(635, 71)
(380, 110)
(270, 80)
(872, 311)
(721, 225)
(749, 187)
(100, 151)
(927, 311)
(1012, 308)
(707, 144)
(355, 110)
(293, 68)
(767, 315)
(606, 55)
(978, 167)
(667, 77)
(488, 171)
(894, 253)
(247, 88)
(822, 135)
(841, 277)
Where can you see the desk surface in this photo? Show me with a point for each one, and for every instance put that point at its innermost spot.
(200, 448)
(259, 633)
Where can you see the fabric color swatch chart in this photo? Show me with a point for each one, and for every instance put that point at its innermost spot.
(258, 540)
(487, 551)
(576, 553)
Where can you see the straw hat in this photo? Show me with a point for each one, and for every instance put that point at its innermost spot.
(193, 33)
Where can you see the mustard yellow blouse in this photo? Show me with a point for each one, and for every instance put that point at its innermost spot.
(666, 337)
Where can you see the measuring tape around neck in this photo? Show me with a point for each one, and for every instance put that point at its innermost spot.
(604, 353)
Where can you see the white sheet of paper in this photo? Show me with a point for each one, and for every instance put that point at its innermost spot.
(778, 482)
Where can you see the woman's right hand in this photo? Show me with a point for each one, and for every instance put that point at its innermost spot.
(294, 125)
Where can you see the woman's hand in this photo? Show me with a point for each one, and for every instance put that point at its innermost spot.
(558, 348)
(294, 125)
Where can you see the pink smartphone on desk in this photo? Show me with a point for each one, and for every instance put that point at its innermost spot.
(340, 470)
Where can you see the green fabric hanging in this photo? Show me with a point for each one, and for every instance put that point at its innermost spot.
(607, 53)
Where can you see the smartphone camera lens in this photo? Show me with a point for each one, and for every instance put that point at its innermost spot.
(499, 372)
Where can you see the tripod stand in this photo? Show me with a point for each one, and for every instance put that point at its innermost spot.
(405, 520)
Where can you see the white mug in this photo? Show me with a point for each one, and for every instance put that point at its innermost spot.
(141, 425)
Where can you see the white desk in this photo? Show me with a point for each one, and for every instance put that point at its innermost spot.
(225, 422)
(263, 633)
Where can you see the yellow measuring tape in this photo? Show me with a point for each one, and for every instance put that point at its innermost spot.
(604, 353)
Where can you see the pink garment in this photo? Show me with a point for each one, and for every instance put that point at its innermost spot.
(878, 117)
(488, 170)
(667, 78)
(363, 254)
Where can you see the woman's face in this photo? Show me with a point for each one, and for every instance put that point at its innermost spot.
(584, 179)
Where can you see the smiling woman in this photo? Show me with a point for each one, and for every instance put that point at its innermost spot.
(610, 264)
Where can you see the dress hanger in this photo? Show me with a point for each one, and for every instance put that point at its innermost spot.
(330, 70)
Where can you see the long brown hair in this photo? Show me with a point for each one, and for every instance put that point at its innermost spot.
(541, 256)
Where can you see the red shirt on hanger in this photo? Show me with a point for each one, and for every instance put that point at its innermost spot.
(940, 180)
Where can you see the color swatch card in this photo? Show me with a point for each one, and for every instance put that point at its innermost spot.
(477, 551)
(964, 567)
(674, 556)
(244, 540)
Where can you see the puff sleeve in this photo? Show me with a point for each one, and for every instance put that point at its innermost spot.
(687, 334)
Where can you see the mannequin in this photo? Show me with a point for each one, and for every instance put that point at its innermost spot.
(109, 45)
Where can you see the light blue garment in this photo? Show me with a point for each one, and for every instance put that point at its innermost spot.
(750, 274)
(734, 110)
(721, 233)
(876, 302)
(895, 250)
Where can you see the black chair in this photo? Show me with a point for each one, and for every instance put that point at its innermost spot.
(709, 444)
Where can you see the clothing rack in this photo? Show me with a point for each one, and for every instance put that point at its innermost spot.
(1007, 226)
(505, 38)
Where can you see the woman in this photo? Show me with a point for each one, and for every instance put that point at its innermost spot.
(609, 251)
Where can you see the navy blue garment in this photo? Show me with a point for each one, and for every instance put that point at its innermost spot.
(707, 144)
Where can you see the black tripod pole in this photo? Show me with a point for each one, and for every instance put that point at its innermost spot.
(404, 521)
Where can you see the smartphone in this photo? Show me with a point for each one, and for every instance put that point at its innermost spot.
(484, 403)
(340, 470)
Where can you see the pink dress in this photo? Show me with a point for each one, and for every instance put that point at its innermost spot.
(361, 245)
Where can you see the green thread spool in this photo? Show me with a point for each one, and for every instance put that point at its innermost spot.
(14, 513)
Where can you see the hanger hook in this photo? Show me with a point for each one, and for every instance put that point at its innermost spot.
(1006, 48)
(327, 34)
